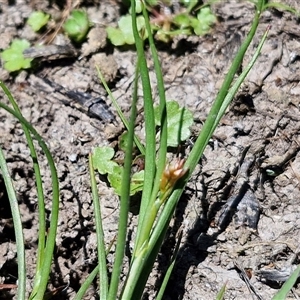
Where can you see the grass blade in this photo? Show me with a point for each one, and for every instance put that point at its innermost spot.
(42, 274)
(141, 264)
(150, 147)
(14, 206)
(287, 286)
(124, 206)
(80, 294)
(162, 151)
(40, 191)
(221, 293)
(119, 111)
(206, 133)
(103, 291)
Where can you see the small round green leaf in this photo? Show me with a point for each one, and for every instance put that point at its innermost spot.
(77, 25)
(116, 36)
(37, 20)
(102, 160)
(204, 21)
(137, 182)
(115, 179)
(179, 121)
(182, 20)
(14, 58)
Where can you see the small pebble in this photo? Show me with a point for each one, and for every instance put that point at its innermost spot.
(73, 157)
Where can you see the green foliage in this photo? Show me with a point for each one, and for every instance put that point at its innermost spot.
(158, 204)
(47, 225)
(165, 26)
(123, 141)
(205, 19)
(77, 25)
(124, 34)
(178, 123)
(200, 25)
(14, 58)
(102, 160)
(37, 20)
(136, 184)
(105, 165)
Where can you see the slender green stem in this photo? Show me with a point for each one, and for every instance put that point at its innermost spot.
(152, 175)
(281, 6)
(288, 285)
(103, 291)
(119, 111)
(80, 294)
(196, 153)
(162, 151)
(39, 290)
(13, 201)
(221, 293)
(40, 191)
(150, 148)
(124, 207)
(148, 221)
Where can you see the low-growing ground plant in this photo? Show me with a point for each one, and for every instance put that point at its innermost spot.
(13, 57)
(179, 121)
(76, 25)
(165, 24)
(163, 181)
(37, 20)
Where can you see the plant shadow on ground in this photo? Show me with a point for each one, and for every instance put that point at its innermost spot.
(190, 253)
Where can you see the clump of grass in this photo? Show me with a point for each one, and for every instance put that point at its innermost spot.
(163, 181)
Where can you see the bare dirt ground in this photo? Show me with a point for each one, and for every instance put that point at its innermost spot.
(241, 211)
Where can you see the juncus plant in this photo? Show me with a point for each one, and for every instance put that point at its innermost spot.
(164, 180)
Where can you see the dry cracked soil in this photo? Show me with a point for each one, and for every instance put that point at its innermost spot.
(240, 213)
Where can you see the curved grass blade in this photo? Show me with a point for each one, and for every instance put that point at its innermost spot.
(150, 148)
(119, 111)
(288, 285)
(124, 206)
(143, 262)
(87, 283)
(206, 133)
(16, 216)
(42, 274)
(221, 293)
(40, 191)
(103, 291)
